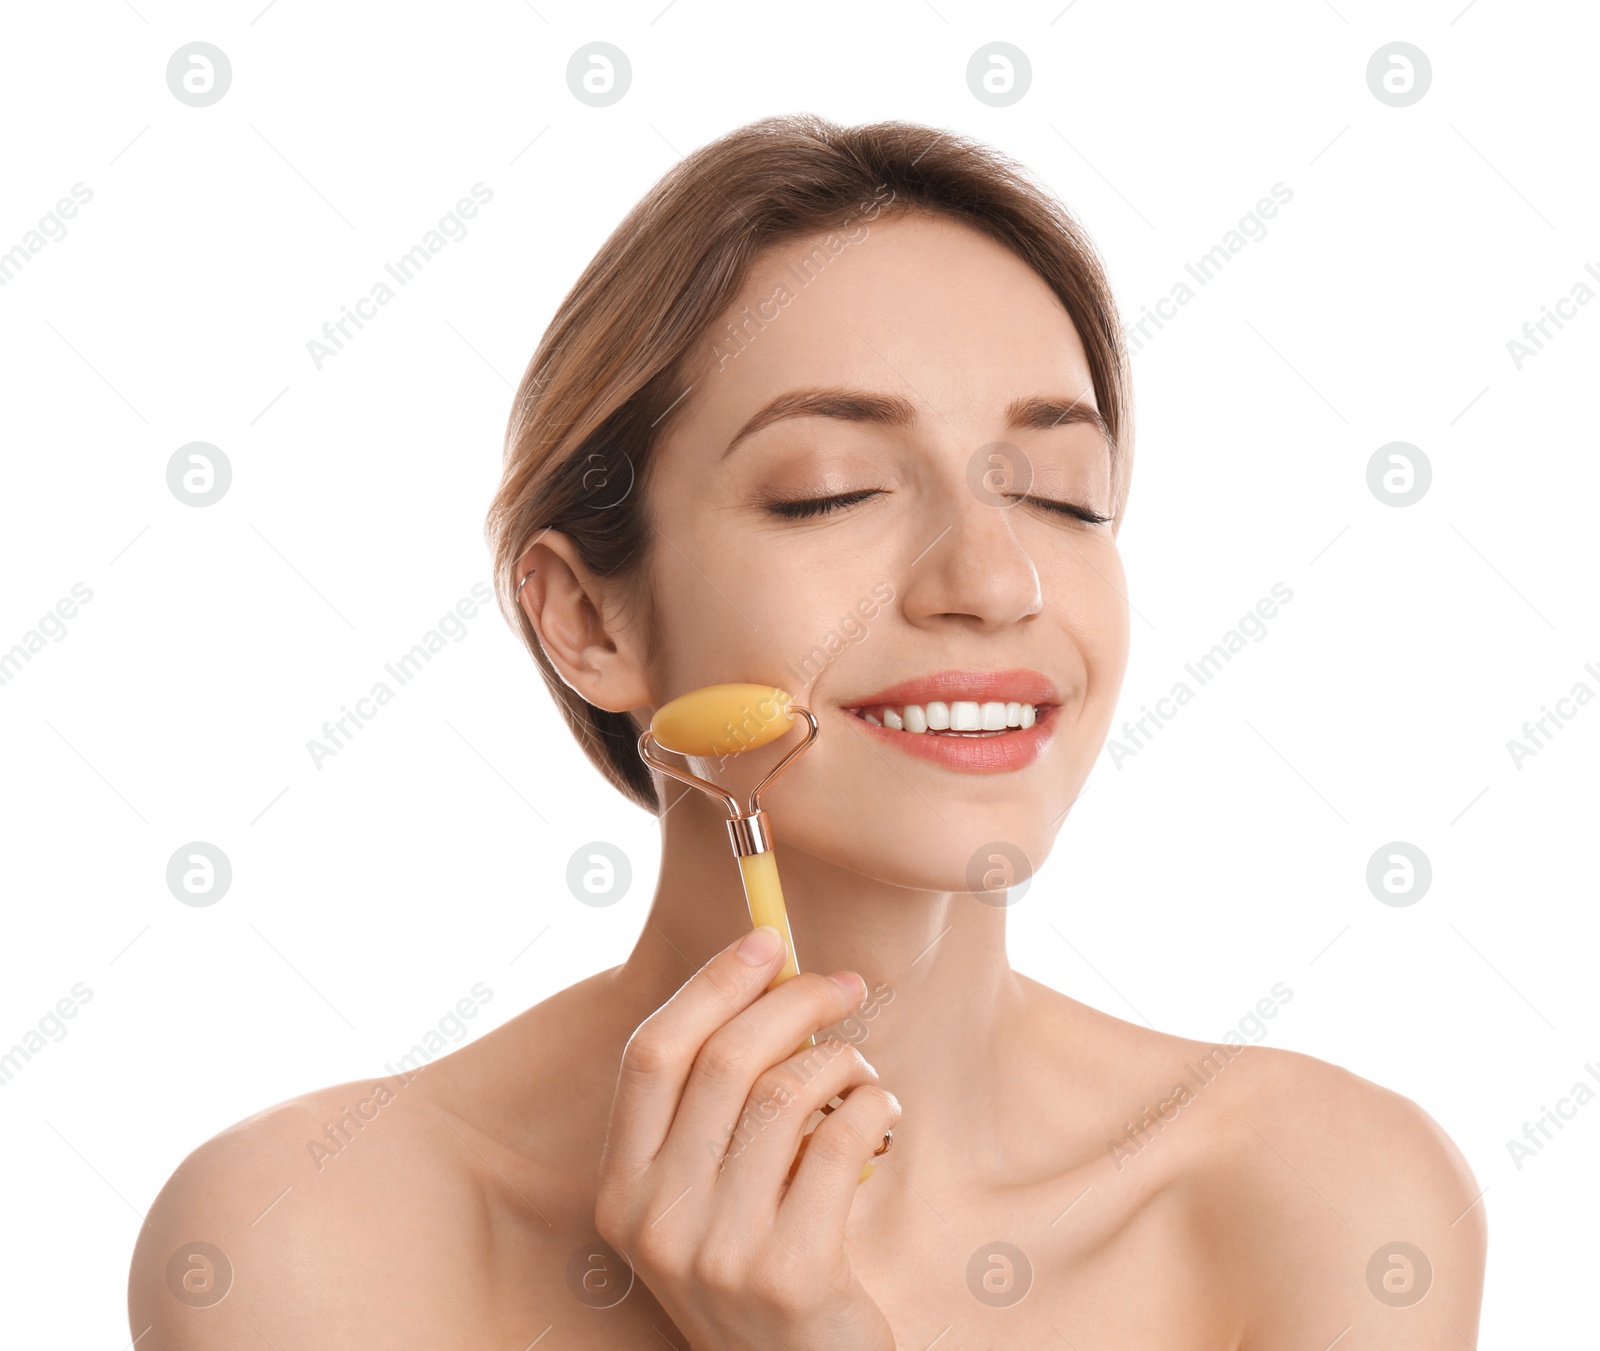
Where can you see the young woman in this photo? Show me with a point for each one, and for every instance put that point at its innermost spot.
(843, 410)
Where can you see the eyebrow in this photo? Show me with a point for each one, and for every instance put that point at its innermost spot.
(1038, 413)
(1041, 413)
(848, 405)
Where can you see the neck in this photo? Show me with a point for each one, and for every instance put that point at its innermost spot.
(942, 1001)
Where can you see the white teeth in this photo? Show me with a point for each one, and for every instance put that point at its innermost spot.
(964, 716)
(961, 715)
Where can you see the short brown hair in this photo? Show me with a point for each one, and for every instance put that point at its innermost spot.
(598, 394)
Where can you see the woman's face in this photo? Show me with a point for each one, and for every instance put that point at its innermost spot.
(936, 366)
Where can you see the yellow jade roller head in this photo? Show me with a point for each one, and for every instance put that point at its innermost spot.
(722, 720)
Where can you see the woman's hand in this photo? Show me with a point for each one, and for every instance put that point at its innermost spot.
(737, 1255)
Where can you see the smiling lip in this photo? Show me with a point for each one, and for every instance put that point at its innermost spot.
(998, 753)
(1019, 686)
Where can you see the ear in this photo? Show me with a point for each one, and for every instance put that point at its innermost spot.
(582, 625)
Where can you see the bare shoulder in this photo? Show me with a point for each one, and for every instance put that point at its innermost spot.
(331, 1220)
(1302, 1201)
(1348, 1205)
(436, 1207)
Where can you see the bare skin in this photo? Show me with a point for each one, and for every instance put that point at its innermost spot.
(460, 1207)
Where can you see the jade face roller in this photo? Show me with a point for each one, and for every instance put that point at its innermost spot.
(726, 720)
(730, 719)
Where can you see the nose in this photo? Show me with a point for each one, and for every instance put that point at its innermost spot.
(971, 565)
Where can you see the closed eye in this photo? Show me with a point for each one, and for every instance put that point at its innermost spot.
(1064, 508)
(797, 509)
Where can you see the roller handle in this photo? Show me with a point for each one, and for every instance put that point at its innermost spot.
(764, 893)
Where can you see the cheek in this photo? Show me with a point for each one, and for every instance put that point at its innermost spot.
(733, 611)
(1090, 595)
(1108, 665)
(1091, 600)
(1108, 641)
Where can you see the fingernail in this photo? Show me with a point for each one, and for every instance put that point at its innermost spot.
(854, 987)
(760, 946)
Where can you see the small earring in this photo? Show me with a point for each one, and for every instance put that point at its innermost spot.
(524, 581)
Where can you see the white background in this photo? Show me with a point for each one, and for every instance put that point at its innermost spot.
(372, 893)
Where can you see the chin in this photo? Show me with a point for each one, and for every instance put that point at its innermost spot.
(904, 844)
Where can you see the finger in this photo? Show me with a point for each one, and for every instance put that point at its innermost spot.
(769, 1134)
(739, 1052)
(818, 1201)
(658, 1057)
